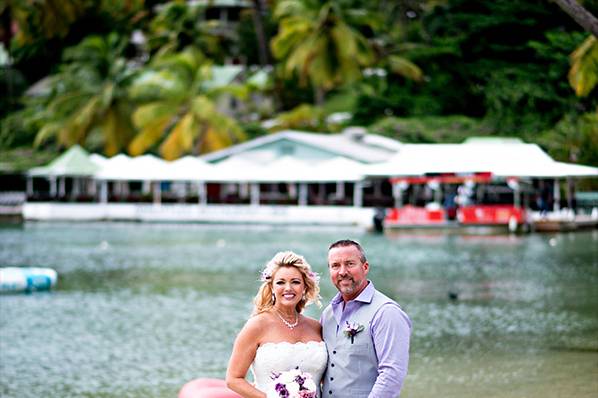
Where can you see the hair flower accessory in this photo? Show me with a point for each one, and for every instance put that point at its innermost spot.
(267, 272)
(351, 329)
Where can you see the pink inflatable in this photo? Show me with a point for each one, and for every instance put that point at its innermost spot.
(207, 388)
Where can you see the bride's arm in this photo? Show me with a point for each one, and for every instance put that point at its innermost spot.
(243, 355)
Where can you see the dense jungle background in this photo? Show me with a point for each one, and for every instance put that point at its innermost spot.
(139, 76)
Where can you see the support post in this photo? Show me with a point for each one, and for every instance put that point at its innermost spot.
(556, 205)
(255, 194)
(52, 187)
(340, 189)
(303, 194)
(358, 194)
(29, 186)
(157, 193)
(202, 193)
(397, 194)
(104, 192)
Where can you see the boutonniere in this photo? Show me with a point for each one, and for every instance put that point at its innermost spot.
(351, 329)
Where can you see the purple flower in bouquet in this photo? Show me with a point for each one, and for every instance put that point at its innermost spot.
(291, 384)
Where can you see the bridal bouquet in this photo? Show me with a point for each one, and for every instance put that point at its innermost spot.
(291, 384)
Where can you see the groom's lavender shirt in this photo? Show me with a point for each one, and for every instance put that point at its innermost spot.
(390, 329)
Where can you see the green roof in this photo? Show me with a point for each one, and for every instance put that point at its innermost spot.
(259, 79)
(223, 76)
(74, 162)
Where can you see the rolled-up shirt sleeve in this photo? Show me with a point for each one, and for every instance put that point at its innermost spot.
(391, 331)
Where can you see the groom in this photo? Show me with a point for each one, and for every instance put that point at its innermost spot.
(366, 333)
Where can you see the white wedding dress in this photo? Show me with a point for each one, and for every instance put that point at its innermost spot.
(309, 357)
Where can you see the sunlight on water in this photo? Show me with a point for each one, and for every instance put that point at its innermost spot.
(141, 309)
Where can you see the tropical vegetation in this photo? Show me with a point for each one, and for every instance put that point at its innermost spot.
(138, 76)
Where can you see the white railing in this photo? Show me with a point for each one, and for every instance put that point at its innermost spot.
(216, 213)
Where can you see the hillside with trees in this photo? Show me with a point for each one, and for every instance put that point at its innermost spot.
(137, 76)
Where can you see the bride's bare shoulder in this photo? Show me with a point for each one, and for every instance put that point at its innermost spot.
(255, 327)
(259, 321)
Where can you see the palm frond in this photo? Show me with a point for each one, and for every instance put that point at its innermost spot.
(583, 75)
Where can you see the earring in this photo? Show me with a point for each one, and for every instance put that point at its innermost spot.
(273, 298)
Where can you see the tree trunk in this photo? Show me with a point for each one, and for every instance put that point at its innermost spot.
(582, 16)
(319, 95)
(260, 33)
(6, 28)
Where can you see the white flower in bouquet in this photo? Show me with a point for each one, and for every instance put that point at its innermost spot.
(291, 384)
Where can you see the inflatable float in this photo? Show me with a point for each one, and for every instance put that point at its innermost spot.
(26, 279)
(207, 388)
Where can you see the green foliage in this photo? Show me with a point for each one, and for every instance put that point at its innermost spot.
(254, 130)
(317, 45)
(88, 96)
(502, 60)
(247, 40)
(583, 75)
(302, 117)
(530, 98)
(46, 28)
(405, 67)
(176, 111)
(16, 130)
(430, 129)
(574, 139)
(178, 25)
(12, 83)
(19, 160)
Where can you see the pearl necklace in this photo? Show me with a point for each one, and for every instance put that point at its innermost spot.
(287, 323)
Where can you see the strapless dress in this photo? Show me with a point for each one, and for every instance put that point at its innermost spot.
(310, 357)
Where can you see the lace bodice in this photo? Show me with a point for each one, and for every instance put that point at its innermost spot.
(309, 357)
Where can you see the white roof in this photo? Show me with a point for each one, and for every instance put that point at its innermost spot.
(189, 168)
(507, 159)
(140, 168)
(341, 169)
(550, 169)
(288, 168)
(98, 159)
(353, 144)
(235, 169)
(285, 169)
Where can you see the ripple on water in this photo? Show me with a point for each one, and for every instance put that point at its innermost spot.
(111, 343)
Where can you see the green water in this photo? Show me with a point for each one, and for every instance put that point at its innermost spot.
(141, 309)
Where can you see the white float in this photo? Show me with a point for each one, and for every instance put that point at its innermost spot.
(26, 279)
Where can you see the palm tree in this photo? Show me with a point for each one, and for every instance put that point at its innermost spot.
(583, 75)
(322, 43)
(178, 25)
(260, 32)
(88, 99)
(316, 43)
(36, 19)
(178, 109)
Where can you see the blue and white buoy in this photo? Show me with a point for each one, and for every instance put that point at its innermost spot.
(26, 279)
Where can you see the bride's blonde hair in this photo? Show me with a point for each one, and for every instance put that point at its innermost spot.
(263, 301)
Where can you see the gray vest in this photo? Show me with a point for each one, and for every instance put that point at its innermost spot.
(352, 368)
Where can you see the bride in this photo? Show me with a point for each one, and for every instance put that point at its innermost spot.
(278, 337)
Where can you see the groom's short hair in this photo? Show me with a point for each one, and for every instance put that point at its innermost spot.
(349, 242)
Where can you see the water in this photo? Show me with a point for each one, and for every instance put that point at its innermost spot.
(141, 309)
